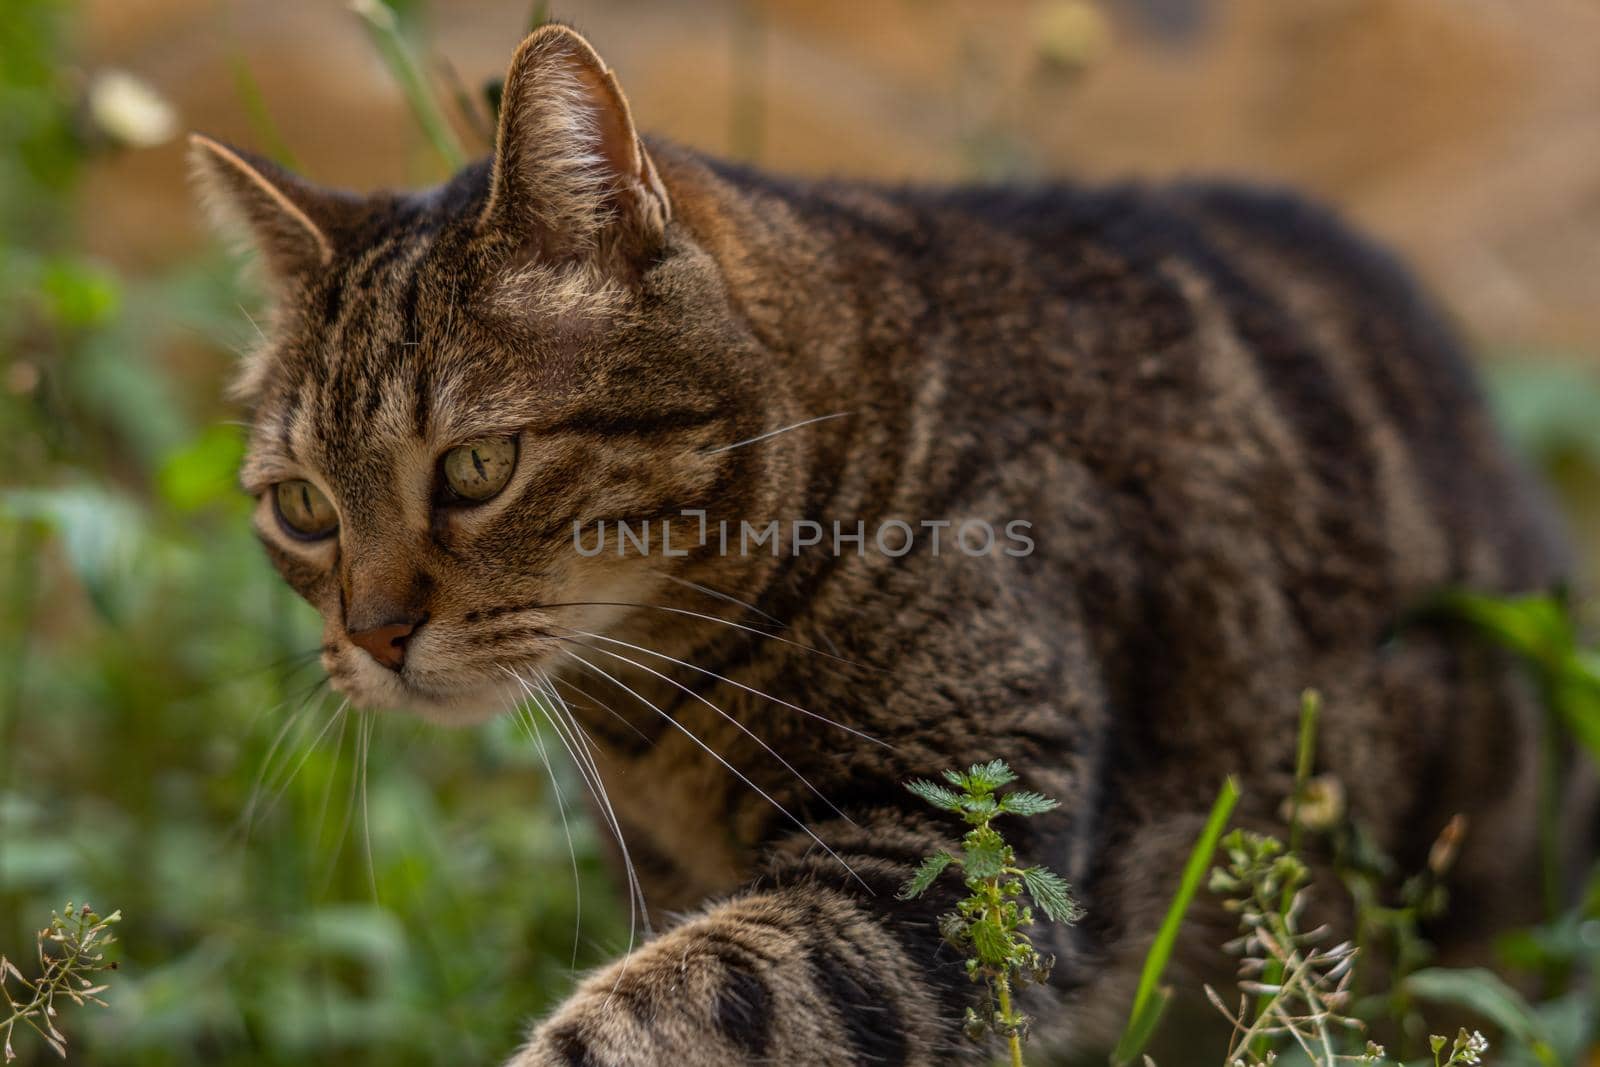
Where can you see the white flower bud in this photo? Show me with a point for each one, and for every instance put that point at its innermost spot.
(129, 111)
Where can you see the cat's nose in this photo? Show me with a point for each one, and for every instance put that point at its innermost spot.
(387, 643)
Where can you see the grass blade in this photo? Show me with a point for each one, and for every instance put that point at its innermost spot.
(254, 102)
(1149, 1000)
(384, 29)
(1305, 756)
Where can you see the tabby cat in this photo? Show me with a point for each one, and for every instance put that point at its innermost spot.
(1220, 448)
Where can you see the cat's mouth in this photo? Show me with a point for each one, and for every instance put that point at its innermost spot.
(458, 697)
(461, 676)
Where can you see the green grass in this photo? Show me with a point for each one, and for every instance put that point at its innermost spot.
(1150, 999)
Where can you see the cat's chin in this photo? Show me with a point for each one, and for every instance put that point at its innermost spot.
(463, 706)
(466, 710)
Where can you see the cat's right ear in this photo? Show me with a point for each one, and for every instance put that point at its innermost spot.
(290, 222)
(571, 176)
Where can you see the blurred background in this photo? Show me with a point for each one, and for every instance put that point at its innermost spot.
(164, 747)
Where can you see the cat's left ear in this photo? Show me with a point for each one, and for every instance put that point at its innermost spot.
(571, 176)
(292, 223)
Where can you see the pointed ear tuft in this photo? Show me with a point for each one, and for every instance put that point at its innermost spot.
(290, 222)
(570, 172)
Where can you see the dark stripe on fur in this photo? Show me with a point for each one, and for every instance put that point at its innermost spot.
(634, 423)
(865, 1008)
(743, 1013)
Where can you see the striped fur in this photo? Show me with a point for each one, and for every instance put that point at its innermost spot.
(1245, 442)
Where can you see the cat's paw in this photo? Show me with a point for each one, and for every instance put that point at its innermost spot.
(794, 975)
(678, 1001)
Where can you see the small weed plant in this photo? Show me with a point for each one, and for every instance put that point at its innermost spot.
(1291, 986)
(71, 960)
(1466, 1049)
(989, 923)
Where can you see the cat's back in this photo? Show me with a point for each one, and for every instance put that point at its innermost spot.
(1254, 446)
(1226, 376)
(1227, 353)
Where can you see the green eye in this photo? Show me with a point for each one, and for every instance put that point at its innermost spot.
(479, 470)
(303, 510)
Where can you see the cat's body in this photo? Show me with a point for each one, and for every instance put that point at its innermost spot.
(1243, 446)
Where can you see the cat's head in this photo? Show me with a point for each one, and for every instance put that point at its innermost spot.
(453, 379)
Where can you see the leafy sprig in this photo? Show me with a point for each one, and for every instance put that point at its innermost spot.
(988, 923)
(1468, 1048)
(71, 953)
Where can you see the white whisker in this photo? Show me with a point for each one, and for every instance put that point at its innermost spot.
(327, 787)
(731, 599)
(707, 618)
(568, 733)
(714, 594)
(530, 726)
(366, 818)
(690, 734)
(589, 748)
(316, 742)
(583, 754)
(741, 727)
(774, 433)
(252, 321)
(267, 775)
(607, 708)
(349, 810)
(739, 685)
(576, 743)
(635, 889)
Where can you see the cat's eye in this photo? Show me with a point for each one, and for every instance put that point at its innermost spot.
(477, 471)
(303, 509)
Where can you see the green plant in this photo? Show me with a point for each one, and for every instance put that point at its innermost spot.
(1542, 630)
(1300, 988)
(1294, 990)
(1150, 999)
(71, 954)
(384, 28)
(1390, 919)
(988, 923)
(1466, 1049)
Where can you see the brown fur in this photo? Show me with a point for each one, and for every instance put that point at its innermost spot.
(1245, 444)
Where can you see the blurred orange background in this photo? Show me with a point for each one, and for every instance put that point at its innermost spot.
(1464, 132)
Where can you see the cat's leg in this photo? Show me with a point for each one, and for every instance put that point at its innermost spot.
(808, 965)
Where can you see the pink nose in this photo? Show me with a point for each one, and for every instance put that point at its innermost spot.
(387, 643)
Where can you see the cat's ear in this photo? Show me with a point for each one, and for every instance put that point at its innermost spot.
(292, 223)
(570, 172)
